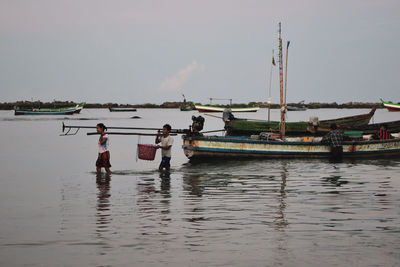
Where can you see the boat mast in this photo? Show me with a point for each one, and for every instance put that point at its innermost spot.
(282, 106)
(270, 82)
(287, 55)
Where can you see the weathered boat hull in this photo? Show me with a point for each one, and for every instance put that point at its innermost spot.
(122, 109)
(392, 107)
(185, 108)
(293, 108)
(392, 126)
(239, 127)
(204, 109)
(50, 111)
(34, 112)
(215, 147)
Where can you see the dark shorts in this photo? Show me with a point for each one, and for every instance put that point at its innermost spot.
(165, 162)
(103, 160)
(336, 151)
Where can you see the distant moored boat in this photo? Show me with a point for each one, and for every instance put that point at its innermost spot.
(122, 109)
(391, 106)
(50, 111)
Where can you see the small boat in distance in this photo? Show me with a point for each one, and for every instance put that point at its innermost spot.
(122, 109)
(186, 106)
(50, 111)
(211, 108)
(204, 109)
(391, 106)
(299, 107)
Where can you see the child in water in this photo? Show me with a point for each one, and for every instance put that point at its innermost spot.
(103, 159)
(166, 141)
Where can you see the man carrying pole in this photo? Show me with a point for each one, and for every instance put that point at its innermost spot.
(166, 141)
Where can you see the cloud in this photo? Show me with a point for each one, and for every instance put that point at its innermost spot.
(175, 82)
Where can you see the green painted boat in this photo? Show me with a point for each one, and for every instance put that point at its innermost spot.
(206, 108)
(391, 106)
(50, 111)
(247, 127)
(186, 108)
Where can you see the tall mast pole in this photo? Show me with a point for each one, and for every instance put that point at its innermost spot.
(270, 82)
(287, 55)
(282, 124)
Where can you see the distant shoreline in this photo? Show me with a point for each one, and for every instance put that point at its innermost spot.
(59, 104)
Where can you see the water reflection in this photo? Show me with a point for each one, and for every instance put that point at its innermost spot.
(192, 184)
(335, 180)
(103, 214)
(280, 220)
(165, 183)
(154, 206)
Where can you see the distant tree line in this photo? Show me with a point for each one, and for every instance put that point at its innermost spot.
(59, 104)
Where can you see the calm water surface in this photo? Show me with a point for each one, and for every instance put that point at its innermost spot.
(55, 210)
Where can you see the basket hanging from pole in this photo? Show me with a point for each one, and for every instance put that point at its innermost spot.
(146, 152)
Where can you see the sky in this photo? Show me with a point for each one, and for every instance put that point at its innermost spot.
(153, 51)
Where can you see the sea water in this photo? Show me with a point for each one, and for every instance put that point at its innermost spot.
(56, 211)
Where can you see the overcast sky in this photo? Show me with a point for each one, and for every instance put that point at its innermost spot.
(152, 51)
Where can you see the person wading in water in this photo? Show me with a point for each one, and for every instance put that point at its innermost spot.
(166, 144)
(103, 158)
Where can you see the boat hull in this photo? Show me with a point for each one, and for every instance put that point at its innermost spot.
(34, 112)
(239, 127)
(185, 108)
(217, 147)
(292, 108)
(122, 109)
(204, 109)
(392, 107)
(50, 111)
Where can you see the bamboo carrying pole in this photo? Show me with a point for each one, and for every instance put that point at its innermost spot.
(122, 133)
(173, 132)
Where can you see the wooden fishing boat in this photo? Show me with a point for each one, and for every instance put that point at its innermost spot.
(280, 146)
(299, 107)
(186, 106)
(211, 108)
(392, 126)
(50, 111)
(196, 147)
(391, 106)
(246, 127)
(122, 109)
(293, 108)
(206, 108)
